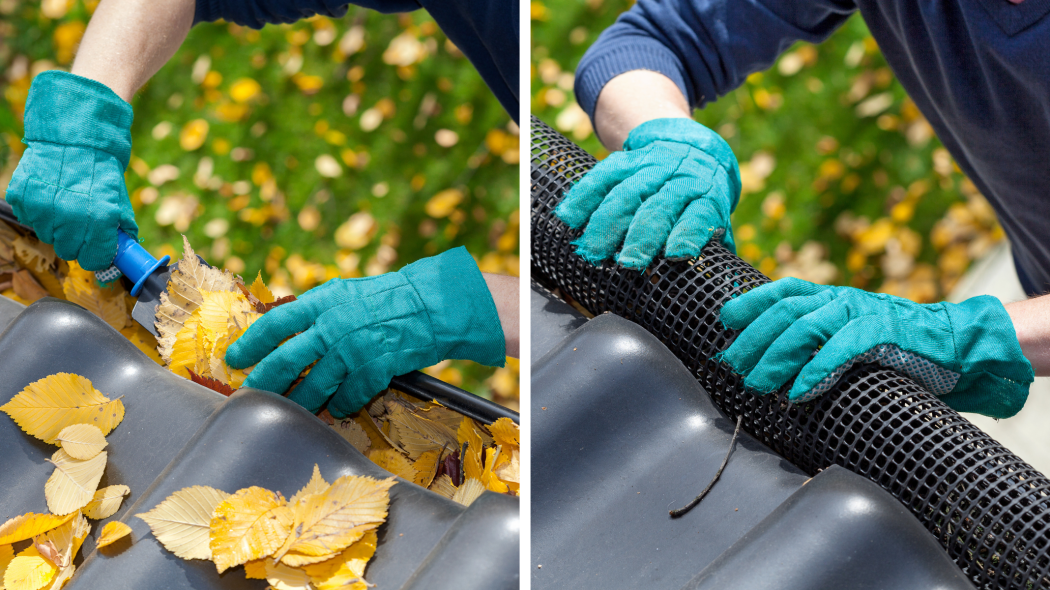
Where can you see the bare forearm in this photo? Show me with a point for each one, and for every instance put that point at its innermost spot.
(1031, 320)
(127, 41)
(505, 293)
(632, 98)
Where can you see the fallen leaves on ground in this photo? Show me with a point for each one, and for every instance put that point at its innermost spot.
(322, 538)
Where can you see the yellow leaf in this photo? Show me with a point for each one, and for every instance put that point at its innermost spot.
(255, 569)
(469, 434)
(143, 340)
(443, 486)
(426, 466)
(7, 553)
(28, 571)
(80, 287)
(185, 354)
(347, 570)
(106, 502)
(182, 521)
(316, 485)
(112, 532)
(505, 432)
(74, 482)
(47, 406)
(329, 522)
(221, 309)
(468, 492)
(394, 462)
(283, 577)
(82, 441)
(27, 287)
(30, 525)
(418, 435)
(193, 134)
(510, 472)
(435, 412)
(376, 437)
(183, 295)
(353, 433)
(260, 290)
(65, 542)
(250, 524)
(493, 459)
(444, 203)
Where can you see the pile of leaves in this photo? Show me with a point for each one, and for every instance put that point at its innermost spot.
(64, 410)
(435, 447)
(322, 538)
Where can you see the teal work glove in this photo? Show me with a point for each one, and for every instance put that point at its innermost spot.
(669, 191)
(365, 331)
(69, 185)
(966, 353)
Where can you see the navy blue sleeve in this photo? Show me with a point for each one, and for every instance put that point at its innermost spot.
(707, 47)
(486, 31)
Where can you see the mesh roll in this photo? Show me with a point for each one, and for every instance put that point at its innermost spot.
(988, 508)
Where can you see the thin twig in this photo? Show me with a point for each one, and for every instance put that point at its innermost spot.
(696, 500)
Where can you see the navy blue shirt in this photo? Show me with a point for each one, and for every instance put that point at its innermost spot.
(486, 31)
(979, 70)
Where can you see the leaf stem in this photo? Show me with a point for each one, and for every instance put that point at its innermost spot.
(681, 511)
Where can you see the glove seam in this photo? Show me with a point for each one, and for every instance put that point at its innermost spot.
(75, 145)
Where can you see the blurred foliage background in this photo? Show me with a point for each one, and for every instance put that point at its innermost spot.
(326, 148)
(843, 179)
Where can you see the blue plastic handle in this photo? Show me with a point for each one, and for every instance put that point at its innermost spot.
(135, 262)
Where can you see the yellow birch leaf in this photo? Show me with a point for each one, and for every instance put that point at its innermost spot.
(30, 525)
(468, 492)
(418, 435)
(143, 341)
(68, 538)
(7, 553)
(347, 570)
(221, 308)
(354, 434)
(47, 406)
(510, 472)
(394, 462)
(316, 485)
(469, 434)
(260, 290)
(251, 524)
(28, 571)
(329, 522)
(443, 486)
(74, 482)
(112, 532)
(187, 350)
(82, 441)
(80, 287)
(183, 295)
(376, 437)
(426, 466)
(283, 577)
(255, 569)
(436, 412)
(488, 476)
(182, 521)
(506, 433)
(106, 502)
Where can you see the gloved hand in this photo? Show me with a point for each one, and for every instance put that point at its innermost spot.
(365, 331)
(670, 190)
(69, 185)
(966, 353)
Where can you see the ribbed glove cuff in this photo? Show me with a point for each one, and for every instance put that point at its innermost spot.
(67, 109)
(462, 312)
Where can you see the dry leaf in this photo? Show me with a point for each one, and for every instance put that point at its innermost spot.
(347, 570)
(143, 340)
(283, 577)
(376, 437)
(211, 383)
(418, 435)
(106, 502)
(316, 485)
(112, 532)
(250, 524)
(182, 521)
(505, 432)
(69, 542)
(30, 525)
(255, 569)
(33, 254)
(28, 571)
(468, 433)
(354, 434)
(394, 462)
(183, 295)
(329, 522)
(46, 549)
(47, 406)
(27, 287)
(426, 467)
(74, 482)
(443, 486)
(7, 553)
(468, 492)
(260, 291)
(510, 472)
(82, 441)
(80, 287)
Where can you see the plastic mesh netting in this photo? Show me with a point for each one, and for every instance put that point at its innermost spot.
(988, 508)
